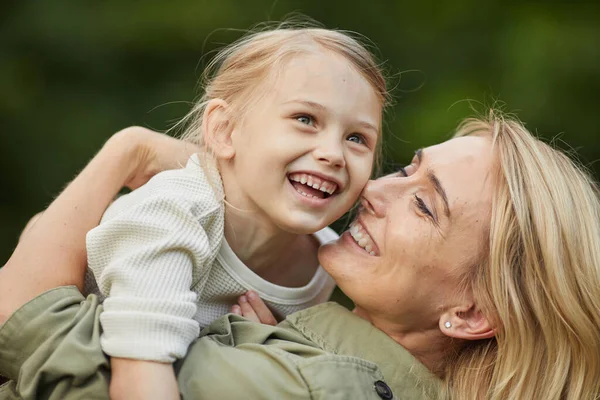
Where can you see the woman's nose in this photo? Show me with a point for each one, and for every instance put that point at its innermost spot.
(373, 198)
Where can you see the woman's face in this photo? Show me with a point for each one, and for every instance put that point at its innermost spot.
(417, 231)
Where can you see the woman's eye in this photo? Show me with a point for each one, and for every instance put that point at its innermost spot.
(408, 170)
(356, 138)
(411, 168)
(305, 119)
(423, 207)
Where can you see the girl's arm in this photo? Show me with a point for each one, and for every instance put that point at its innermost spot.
(51, 252)
(142, 380)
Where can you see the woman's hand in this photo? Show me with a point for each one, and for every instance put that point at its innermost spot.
(252, 307)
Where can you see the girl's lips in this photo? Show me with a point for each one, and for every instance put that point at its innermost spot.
(306, 181)
(308, 198)
(308, 191)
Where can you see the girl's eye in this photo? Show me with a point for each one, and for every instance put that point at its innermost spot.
(305, 119)
(356, 138)
(423, 207)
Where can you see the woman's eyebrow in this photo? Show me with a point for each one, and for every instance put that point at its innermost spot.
(437, 185)
(435, 182)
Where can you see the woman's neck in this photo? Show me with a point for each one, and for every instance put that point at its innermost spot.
(427, 344)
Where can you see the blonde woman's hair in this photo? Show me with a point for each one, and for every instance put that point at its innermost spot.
(238, 72)
(540, 283)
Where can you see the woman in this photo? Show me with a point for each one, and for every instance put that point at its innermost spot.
(485, 283)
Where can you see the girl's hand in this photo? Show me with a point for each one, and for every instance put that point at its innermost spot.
(251, 306)
(142, 380)
(152, 153)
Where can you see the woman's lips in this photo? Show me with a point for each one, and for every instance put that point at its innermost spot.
(362, 238)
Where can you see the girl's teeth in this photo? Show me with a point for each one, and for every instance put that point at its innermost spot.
(368, 248)
(315, 183)
(363, 242)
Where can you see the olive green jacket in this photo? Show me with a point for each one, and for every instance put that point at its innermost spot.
(50, 349)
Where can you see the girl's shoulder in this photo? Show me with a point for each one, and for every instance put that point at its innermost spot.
(195, 187)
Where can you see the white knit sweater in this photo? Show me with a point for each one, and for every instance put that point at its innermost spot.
(160, 259)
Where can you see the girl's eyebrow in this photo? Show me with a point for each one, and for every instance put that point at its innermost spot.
(368, 125)
(364, 124)
(307, 103)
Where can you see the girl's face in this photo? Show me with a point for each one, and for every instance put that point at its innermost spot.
(305, 149)
(417, 233)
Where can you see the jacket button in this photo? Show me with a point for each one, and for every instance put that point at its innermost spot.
(383, 390)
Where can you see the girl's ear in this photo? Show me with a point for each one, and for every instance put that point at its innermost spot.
(217, 127)
(466, 322)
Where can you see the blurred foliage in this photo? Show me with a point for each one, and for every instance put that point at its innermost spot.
(74, 72)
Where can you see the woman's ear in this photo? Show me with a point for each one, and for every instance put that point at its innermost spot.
(217, 127)
(466, 322)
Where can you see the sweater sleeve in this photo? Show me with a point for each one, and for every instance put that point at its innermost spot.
(146, 258)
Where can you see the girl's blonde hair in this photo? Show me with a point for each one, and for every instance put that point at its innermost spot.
(238, 72)
(540, 282)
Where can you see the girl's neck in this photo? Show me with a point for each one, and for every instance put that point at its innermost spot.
(280, 257)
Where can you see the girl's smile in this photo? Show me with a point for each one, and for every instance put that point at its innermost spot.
(311, 185)
(303, 154)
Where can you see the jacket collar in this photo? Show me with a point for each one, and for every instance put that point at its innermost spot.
(339, 331)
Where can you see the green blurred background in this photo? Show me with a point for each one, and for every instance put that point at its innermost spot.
(73, 72)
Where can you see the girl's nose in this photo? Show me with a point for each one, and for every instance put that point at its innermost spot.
(330, 152)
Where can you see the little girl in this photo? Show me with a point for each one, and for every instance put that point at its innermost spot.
(290, 125)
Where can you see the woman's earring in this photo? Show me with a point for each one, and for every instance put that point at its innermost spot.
(448, 324)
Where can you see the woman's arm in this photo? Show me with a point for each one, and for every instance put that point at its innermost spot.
(51, 252)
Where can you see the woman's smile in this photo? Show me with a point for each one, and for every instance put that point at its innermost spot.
(362, 238)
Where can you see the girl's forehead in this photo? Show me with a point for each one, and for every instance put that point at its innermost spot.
(329, 77)
(318, 64)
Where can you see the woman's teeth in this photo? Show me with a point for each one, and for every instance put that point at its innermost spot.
(362, 238)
